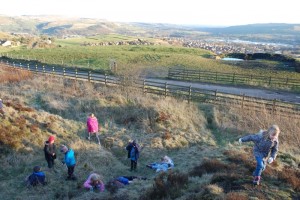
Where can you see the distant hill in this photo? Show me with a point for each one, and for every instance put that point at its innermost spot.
(61, 26)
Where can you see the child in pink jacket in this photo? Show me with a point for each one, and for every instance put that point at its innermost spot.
(92, 126)
(94, 183)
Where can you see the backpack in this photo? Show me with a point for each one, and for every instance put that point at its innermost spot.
(33, 180)
(128, 148)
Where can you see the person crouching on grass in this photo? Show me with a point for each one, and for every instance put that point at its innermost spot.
(94, 183)
(70, 161)
(265, 142)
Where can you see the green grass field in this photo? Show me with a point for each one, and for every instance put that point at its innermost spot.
(71, 52)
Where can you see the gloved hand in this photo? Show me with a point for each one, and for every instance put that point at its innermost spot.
(240, 141)
(270, 160)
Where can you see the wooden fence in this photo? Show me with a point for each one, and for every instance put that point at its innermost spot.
(210, 96)
(166, 89)
(231, 78)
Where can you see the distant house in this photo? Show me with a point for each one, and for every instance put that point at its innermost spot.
(48, 41)
(6, 43)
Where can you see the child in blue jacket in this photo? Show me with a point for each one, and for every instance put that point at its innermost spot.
(37, 177)
(265, 143)
(70, 161)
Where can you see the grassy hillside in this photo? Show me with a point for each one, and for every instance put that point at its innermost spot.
(200, 138)
(150, 58)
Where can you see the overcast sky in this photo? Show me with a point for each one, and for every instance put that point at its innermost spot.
(196, 12)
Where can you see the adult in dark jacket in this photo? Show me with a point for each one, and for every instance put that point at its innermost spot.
(265, 143)
(133, 153)
(50, 151)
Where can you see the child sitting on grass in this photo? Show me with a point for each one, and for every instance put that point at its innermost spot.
(36, 178)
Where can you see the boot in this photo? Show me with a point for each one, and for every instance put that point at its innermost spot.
(256, 180)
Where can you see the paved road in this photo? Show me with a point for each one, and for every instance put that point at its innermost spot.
(253, 92)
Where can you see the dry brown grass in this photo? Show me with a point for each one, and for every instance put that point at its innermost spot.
(209, 166)
(9, 75)
(291, 176)
(245, 122)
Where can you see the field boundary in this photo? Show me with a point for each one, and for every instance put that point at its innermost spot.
(231, 78)
(167, 90)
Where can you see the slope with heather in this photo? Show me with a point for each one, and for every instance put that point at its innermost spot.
(201, 139)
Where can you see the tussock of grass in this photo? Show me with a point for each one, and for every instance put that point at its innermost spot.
(208, 166)
(9, 75)
(166, 185)
(291, 176)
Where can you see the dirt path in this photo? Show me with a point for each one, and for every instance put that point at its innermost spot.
(253, 92)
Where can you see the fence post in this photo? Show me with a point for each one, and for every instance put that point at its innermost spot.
(28, 68)
(76, 73)
(270, 80)
(89, 76)
(243, 100)
(36, 68)
(190, 94)
(144, 86)
(64, 72)
(199, 75)
(44, 69)
(53, 70)
(274, 105)
(14, 65)
(21, 65)
(166, 89)
(216, 94)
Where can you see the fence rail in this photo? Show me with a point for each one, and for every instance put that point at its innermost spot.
(231, 78)
(166, 89)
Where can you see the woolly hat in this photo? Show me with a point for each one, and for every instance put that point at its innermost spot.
(51, 138)
(95, 177)
(63, 148)
(37, 169)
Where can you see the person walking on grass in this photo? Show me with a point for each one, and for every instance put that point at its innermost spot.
(69, 160)
(50, 151)
(265, 143)
(133, 153)
(93, 127)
